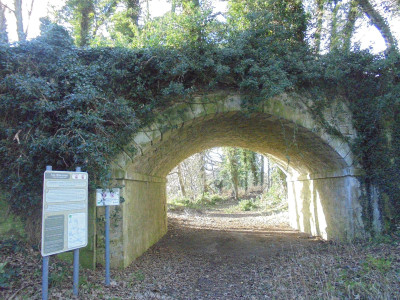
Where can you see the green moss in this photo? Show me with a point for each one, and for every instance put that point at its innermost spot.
(9, 223)
(86, 257)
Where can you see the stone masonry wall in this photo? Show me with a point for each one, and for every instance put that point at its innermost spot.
(322, 181)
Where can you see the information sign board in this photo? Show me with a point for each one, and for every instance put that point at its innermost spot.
(65, 211)
(107, 197)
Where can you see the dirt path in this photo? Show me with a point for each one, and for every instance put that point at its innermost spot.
(213, 255)
(232, 236)
(216, 256)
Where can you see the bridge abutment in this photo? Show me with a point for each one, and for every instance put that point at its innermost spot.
(139, 222)
(326, 205)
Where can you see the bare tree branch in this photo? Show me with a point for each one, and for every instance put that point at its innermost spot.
(29, 17)
(379, 22)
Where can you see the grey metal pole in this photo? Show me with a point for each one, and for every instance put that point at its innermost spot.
(45, 277)
(107, 245)
(76, 261)
(45, 270)
(76, 272)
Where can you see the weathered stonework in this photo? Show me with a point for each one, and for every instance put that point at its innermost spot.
(326, 206)
(323, 188)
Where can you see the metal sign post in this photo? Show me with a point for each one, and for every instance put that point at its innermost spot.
(64, 218)
(107, 229)
(76, 262)
(45, 269)
(45, 277)
(107, 198)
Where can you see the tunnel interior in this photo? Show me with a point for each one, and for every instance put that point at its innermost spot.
(295, 148)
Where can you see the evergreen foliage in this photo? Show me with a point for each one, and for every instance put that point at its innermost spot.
(66, 106)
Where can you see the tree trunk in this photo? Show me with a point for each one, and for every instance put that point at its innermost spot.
(235, 182)
(234, 171)
(3, 24)
(147, 10)
(253, 166)
(334, 39)
(269, 181)
(133, 7)
(20, 24)
(348, 29)
(101, 18)
(379, 22)
(181, 181)
(246, 169)
(262, 172)
(87, 11)
(203, 172)
(320, 19)
(173, 6)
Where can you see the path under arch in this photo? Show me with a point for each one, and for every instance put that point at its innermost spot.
(213, 255)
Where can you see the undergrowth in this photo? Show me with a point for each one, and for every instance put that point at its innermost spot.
(205, 201)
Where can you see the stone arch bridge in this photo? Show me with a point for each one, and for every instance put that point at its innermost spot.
(323, 189)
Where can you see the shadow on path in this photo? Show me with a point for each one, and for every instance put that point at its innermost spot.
(208, 257)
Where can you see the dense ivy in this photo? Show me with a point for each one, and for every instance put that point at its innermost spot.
(66, 106)
(56, 110)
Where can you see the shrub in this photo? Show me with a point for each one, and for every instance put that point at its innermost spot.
(7, 274)
(247, 205)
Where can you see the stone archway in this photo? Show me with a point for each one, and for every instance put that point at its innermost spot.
(323, 189)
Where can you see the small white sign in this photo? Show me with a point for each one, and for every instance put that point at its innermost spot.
(107, 197)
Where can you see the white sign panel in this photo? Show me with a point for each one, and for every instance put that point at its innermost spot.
(107, 197)
(77, 230)
(65, 211)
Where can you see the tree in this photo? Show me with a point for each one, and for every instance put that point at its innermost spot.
(269, 181)
(244, 167)
(17, 10)
(320, 19)
(133, 10)
(273, 15)
(340, 12)
(232, 160)
(3, 24)
(20, 24)
(379, 22)
(173, 5)
(126, 21)
(203, 174)
(87, 17)
(254, 167)
(335, 36)
(341, 15)
(262, 171)
(349, 26)
(218, 170)
(80, 14)
(181, 181)
(103, 12)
